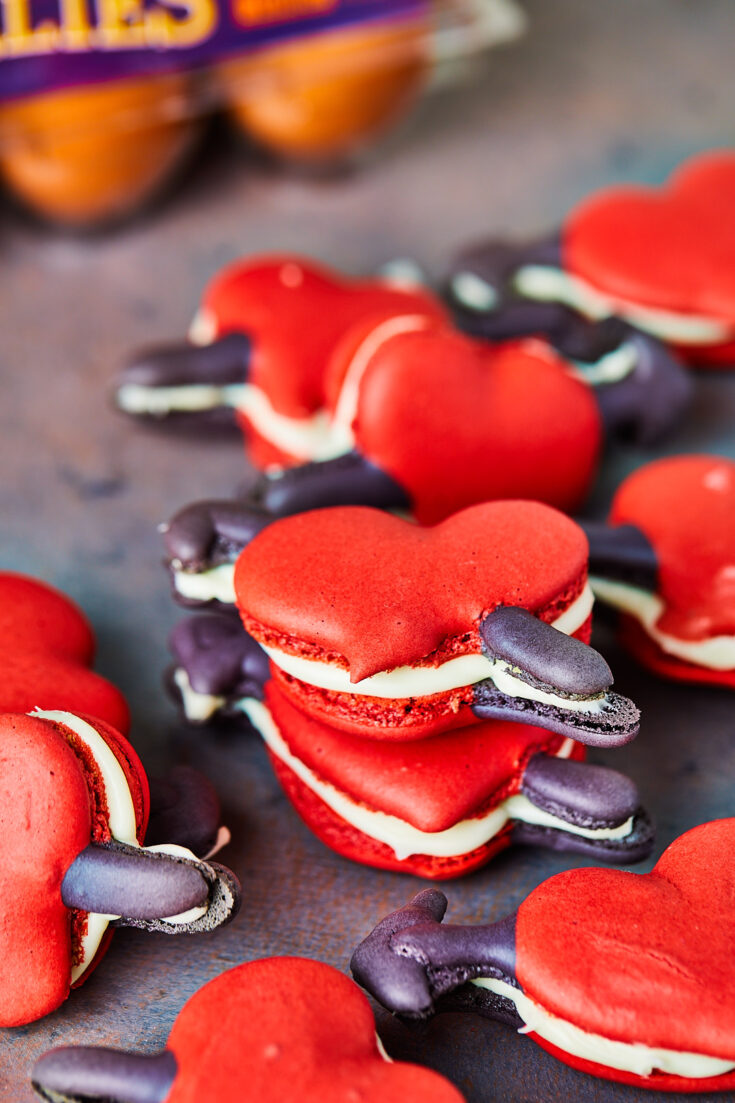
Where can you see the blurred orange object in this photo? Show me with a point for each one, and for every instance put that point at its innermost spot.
(323, 97)
(95, 153)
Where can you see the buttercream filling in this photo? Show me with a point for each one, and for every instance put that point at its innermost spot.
(473, 292)
(403, 838)
(632, 1057)
(203, 329)
(137, 398)
(381, 1050)
(214, 584)
(121, 822)
(549, 284)
(198, 707)
(714, 652)
(613, 367)
(464, 670)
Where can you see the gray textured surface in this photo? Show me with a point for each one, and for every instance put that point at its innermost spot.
(596, 92)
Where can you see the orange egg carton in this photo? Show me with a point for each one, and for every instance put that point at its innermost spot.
(100, 106)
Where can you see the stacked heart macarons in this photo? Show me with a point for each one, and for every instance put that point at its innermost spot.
(424, 691)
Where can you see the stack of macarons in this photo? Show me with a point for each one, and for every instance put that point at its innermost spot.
(425, 692)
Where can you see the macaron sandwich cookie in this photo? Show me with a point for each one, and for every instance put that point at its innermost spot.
(257, 352)
(666, 559)
(398, 631)
(362, 393)
(74, 806)
(623, 976)
(280, 1030)
(384, 665)
(657, 258)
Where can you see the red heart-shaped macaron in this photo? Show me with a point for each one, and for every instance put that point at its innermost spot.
(685, 507)
(371, 592)
(278, 1030)
(52, 805)
(432, 786)
(295, 312)
(641, 959)
(290, 1029)
(457, 421)
(670, 248)
(47, 647)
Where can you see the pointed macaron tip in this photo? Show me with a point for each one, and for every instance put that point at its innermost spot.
(555, 659)
(197, 531)
(621, 553)
(114, 879)
(346, 480)
(77, 1074)
(222, 362)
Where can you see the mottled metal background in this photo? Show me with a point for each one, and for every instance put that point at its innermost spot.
(596, 92)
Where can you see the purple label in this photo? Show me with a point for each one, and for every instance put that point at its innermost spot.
(52, 44)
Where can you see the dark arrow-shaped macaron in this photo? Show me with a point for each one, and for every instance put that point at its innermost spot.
(590, 966)
(185, 809)
(147, 887)
(622, 553)
(642, 389)
(187, 383)
(565, 679)
(410, 962)
(76, 1074)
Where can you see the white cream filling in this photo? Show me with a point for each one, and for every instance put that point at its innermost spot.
(203, 329)
(473, 292)
(137, 398)
(381, 1050)
(630, 1057)
(549, 284)
(403, 838)
(215, 584)
(715, 652)
(306, 438)
(198, 707)
(122, 824)
(421, 681)
(477, 294)
(610, 368)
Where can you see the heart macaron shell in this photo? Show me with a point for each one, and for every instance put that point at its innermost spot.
(289, 1029)
(47, 647)
(295, 312)
(685, 506)
(636, 640)
(456, 421)
(432, 785)
(371, 592)
(613, 953)
(52, 805)
(670, 248)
